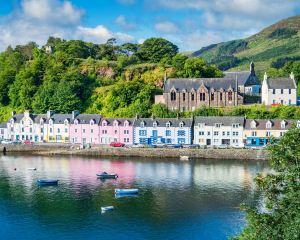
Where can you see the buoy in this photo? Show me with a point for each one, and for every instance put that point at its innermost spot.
(15, 169)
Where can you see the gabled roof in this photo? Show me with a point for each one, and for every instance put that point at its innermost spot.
(60, 118)
(281, 83)
(110, 121)
(161, 122)
(3, 125)
(246, 78)
(86, 118)
(195, 83)
(261, 124)
(17, 118)
(226, 121)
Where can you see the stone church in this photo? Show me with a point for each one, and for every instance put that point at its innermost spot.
(188, 94)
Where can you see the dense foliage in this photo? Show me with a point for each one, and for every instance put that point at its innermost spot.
(110, 79)
(279, 218)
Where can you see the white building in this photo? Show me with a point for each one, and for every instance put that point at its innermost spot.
(162, 130)
(3, 131)
(216, 131)
(279, 90)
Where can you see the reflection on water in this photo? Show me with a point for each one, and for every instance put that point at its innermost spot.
(177, 200)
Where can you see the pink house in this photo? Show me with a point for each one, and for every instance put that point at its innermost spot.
(84, 128)
(116, 130)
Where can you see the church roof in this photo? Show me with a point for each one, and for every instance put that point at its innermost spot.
(246, 78)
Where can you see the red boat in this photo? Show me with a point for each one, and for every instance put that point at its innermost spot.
(117, 144)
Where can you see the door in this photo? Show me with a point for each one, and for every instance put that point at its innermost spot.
(208, 142)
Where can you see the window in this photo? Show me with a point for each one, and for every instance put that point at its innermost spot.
(216, 133)
(253, 124)
(173, 96)
(281, 134)
(42, 130)
(169, 140)
(282, 124)
(212, 96)
(104, 124)
(202, 96)
(104, 131)
(66, 130)
(274, 91)
(75, 130)
(83, 130)
(155, 124)
(30, 130)
(168, 132)
(116, 131)
(142, 124)
(230, 96)
(126, 131)
(22, 129)
(281, 101)
(290, 102)
(218, 125)
(126, 140)
(167, 124)
(221, 97)
(92, 123)
(181, 124)
(181, 141)
(254, 134)
(192, 96)
(274, 102)
(281, 91)
(268, 134)
(223, 133)
(208, 133)
(235, 125)
(50, 130)
(180, 133)
(92, 130)
(142, 132)
(183, 97)
(143, 140)
(235, 133)
(290, 91)
(228, 133)
(201, 133)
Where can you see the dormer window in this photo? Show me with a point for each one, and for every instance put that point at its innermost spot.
(269, 124)
(218, 125)
(126, 123)
(104, 124)
(76, 122)
(92, 122)
(253, 124)
(142, 124)
(168, 124)
(66, 122)
(12, 121)
(283, 124)
(155, 124)
(181, 124)
(51, 122)
(116, 123)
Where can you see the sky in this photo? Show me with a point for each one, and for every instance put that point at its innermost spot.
(190, 24)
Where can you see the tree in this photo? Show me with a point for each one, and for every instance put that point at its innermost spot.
(154, 49)
(281, 192)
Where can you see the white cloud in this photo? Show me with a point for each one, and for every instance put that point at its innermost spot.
(123, 22)
(166, 27)
(36, 20)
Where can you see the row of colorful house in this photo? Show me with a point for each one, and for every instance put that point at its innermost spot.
(79, 128)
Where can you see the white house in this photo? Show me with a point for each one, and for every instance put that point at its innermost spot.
(216, 131)
(3, 131)
(279, 90)
(162, 130)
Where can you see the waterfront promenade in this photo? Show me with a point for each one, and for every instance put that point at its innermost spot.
(100, 150)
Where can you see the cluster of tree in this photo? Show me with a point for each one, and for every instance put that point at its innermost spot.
(115, 80)
(279, 215)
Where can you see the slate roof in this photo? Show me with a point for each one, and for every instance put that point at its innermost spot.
(194, 83)
(225, 121)
(86, 118)
(261, 124)
(17, 117)
(281, 83)
(161, 122)
(245, 78)
(39, 116)
(121, 121)
(60, 118)
(3, 125)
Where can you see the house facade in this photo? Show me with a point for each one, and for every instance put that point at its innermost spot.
(258, 132)
(163, 131)
(3, 131)
(281, 91)
(84, 128)
(216, 131)
(116, 130)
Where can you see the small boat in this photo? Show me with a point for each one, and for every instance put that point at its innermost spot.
(122, 195)
(129, 191)
(184, 158)
(31, 169)
(106, 209)
(42, 182)
(105, 175)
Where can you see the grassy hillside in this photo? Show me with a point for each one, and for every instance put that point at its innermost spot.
(275, 44)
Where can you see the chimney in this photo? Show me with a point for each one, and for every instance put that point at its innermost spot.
(49, 113)
(252, 68)
(75, 114)
(13, 113)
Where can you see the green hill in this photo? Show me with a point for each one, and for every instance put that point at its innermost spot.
(273, 46)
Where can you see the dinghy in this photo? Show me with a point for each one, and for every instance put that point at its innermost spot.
(106, 209)
(184, 158)
(42, 182)
(31, 168)
(105, 175)
(129, 191)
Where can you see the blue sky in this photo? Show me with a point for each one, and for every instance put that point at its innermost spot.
(190, 24)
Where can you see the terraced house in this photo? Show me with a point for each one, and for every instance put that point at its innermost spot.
(258, 132)
(116, 130)
(163, 130)
(217, 131)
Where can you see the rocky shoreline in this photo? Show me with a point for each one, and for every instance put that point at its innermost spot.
(106, 151)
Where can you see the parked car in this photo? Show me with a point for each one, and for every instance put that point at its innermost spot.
(6, 141)
(222, 146)
(117, 144)
(17, 142)
(238, 146)
(27, 142)
(137, 146)
(160, 145)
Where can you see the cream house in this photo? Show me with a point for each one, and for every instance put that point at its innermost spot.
(279, 90)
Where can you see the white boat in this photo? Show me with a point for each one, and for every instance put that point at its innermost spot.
(107, 208)
(31, 169)
(126, 191)
(184, 158)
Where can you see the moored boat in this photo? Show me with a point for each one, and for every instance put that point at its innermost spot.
(184, 158)
(105, 175)
(31, 169)
(42, 182)
(127, 191)
(107, 208)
